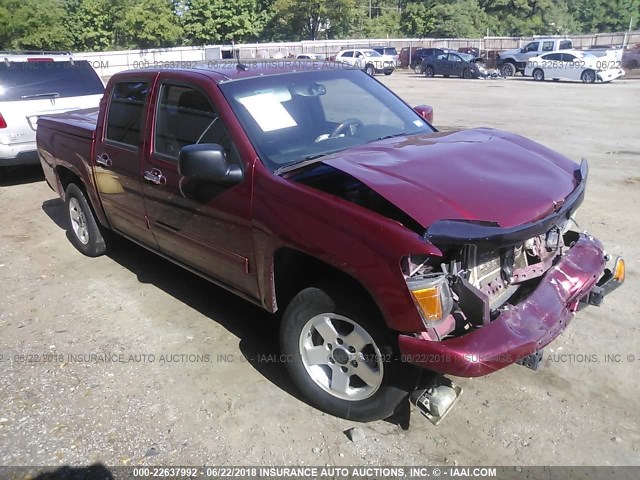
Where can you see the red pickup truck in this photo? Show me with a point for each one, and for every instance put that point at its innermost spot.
(391, 250)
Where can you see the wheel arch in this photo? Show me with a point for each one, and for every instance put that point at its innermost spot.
(67, 175)
(294, 270)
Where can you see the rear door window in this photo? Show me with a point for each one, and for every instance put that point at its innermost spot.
(565, 45)
(126, 112)
(547, 46)
(37, 80)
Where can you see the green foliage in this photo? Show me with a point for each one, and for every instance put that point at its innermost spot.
(95, 25)
(457, 18)
(91, 23)
(310, 19)
(384, 25)
(34, 25)
(221, 21)
(604, 15)
(142, 30)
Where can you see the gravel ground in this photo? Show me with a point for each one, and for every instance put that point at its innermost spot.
(192, 378)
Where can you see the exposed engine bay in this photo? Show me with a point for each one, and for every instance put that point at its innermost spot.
(485, 269)
(484, 279)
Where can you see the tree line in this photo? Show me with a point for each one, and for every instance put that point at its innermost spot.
(97, 25)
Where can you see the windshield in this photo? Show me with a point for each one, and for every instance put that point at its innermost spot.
(33, 80)
(467, 57)
(294, 117)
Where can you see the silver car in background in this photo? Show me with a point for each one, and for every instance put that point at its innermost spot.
(32, 85)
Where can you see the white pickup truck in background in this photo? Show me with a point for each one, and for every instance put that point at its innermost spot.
(513, 61)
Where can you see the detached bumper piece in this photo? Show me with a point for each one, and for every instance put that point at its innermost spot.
(523, 329)
(435, 401)
(532, 361)
(610, 280)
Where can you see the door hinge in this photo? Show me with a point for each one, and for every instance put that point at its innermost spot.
(146, 219)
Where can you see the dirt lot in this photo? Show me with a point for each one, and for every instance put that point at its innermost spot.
(168, 405)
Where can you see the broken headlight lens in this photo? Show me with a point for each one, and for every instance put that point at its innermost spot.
(432, 296)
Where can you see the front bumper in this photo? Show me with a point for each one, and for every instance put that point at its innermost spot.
(609, 75)
(519, 330)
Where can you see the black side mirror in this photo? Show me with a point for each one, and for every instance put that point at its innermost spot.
(522, 50)
(208, 162)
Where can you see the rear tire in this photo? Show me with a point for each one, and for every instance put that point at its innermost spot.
(341, 357)
(84, 232)
(538, 75)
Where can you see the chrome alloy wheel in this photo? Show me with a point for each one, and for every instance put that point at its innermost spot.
(78, 221)
(341, 357)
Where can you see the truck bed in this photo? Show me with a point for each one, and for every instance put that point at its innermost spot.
(80, 123)
(66, 139)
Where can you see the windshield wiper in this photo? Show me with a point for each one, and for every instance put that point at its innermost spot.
(308, 160)
(390, 136)
(38, 95)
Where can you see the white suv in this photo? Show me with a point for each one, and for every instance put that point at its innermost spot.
(32, 85)
(368, 60)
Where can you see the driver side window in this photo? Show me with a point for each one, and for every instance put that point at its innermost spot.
(532, 47)
(185, 116)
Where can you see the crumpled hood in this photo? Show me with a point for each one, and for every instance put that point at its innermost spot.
(481, 174)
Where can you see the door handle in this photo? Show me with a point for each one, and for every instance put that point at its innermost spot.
(155, 176)
(104, 160)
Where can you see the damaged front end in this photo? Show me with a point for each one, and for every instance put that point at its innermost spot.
(502, 294)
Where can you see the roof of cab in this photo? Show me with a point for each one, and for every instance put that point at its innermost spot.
(228, 70)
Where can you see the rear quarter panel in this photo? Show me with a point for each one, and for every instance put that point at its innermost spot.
(66, 142)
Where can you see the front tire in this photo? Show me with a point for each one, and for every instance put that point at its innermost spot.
(418, 69)
(370, 70)
(340, 357)
(467, 73)
(508, 70)
(588, 76)
(429, 72)
(84, 232)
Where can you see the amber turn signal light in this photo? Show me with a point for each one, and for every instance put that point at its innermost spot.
(619, 270)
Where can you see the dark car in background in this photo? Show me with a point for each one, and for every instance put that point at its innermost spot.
(461, 65)
(421, 53)
(470, 50)
(631, 57)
